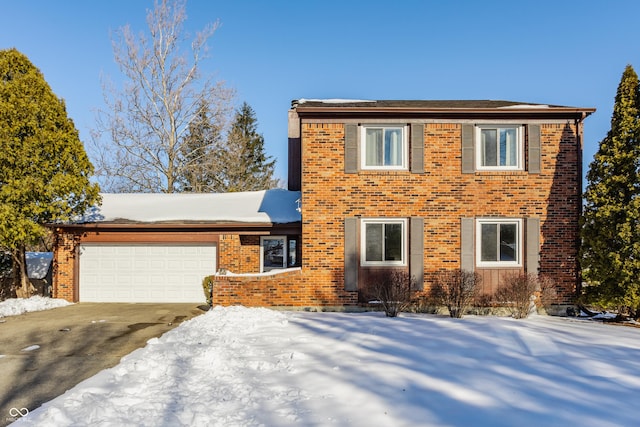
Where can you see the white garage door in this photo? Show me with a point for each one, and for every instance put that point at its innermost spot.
(145, 273)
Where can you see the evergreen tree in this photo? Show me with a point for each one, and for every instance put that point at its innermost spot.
(611, 227)
(44, 170)
(203, 139)
(243, 165)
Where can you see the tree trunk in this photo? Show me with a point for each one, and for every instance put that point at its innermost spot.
(24, 288)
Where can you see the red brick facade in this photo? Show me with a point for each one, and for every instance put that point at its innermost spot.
(239, 254)
(65, 266)
(442, 194)
(291, 288)
(282, 289)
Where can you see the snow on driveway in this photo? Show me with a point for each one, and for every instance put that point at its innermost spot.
(16, 306)
(237, 366)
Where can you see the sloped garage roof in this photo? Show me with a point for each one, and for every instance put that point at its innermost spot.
(275, 206)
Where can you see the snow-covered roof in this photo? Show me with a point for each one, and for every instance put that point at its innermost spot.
(275, 206)
(333, 101)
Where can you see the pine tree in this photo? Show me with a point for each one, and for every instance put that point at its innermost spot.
(203, 139)
(44, 170)
(243, 165)
(611, 227)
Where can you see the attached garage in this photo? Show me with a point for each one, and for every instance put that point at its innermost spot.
(144, 272)
(159, 247)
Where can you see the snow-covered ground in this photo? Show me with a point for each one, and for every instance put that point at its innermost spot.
(16, 306)
(237, 366)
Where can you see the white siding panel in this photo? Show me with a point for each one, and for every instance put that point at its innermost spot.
(144, 273)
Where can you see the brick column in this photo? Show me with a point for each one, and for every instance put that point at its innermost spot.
(63, 266)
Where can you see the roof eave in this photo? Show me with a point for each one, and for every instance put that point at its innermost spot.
(168, 225)
(471, 113)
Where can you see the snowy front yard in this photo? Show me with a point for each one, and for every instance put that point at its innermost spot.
(249, 367)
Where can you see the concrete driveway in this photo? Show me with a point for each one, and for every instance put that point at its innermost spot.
(45, 353)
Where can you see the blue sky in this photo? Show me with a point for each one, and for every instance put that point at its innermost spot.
(561, 52)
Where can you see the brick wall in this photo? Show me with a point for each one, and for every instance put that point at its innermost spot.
(239, 253)
(290, 288)
(442, 196)
(282, 289)
(64, 257)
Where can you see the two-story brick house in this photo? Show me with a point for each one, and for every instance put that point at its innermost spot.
(420, 186)
(489, 186)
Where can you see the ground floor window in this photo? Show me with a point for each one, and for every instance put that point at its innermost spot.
(293, 253)
(383, 241)
(278, 252)
(500, 242)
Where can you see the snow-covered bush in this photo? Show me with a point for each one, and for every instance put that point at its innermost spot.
(456, 290)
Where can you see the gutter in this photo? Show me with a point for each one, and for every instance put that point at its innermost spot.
(470, 113)
(235, 228)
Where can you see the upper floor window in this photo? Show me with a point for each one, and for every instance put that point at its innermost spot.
(499, 147)
(384, 147)
(383, 241)
(500, 242)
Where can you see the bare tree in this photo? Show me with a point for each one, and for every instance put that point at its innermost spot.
(139, 139)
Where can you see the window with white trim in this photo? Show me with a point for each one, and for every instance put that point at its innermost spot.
(499, 147)
(383, 241)
(499, 242)
(383, 147)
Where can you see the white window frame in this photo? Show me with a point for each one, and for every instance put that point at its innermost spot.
(284, 249)
(405, 146)
(519, 147)
(519, 242)
(363, 241)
